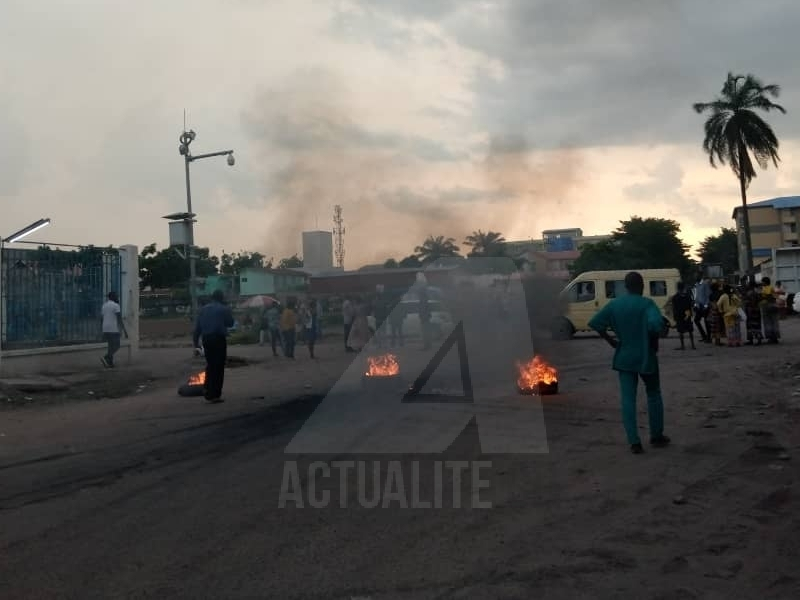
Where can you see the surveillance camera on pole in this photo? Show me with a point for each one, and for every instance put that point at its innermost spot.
(186, 138)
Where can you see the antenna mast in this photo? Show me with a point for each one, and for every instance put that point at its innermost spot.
(338, 235)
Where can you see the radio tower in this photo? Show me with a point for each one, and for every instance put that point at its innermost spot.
(338, 235)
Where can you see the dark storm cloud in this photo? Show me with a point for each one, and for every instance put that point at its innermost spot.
(312, 113)
(438, 204)
(617, 72)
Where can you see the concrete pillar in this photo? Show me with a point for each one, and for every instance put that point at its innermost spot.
(129, 296)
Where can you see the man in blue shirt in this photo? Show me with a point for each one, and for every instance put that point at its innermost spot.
(702, 299)
(637, 322)
(212, 325)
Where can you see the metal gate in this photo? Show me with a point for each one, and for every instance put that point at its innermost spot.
(53, 297)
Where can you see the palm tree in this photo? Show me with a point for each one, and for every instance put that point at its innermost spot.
(734, 132)
(491, 243)
(434, 248)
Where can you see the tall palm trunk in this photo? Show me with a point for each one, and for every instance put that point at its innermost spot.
(748, 243)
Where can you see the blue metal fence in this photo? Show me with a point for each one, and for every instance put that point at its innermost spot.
(53, 297)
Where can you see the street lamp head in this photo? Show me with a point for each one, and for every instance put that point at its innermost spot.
(231, 160)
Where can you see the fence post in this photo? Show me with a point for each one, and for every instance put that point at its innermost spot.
(129, 295)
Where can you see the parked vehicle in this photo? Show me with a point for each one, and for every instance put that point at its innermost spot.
(585, 295)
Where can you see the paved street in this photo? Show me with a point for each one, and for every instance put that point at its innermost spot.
(156, 496)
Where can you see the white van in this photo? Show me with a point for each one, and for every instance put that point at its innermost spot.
(584, 296)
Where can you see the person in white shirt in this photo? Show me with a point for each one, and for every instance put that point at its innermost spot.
(111, 321)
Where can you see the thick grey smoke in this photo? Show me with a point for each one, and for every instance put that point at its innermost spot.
(316, 154)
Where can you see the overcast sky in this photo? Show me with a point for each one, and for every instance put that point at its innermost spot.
(419, 117)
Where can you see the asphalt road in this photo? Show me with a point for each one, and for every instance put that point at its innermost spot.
(155, 496)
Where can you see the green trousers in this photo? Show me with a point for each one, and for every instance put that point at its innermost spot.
(628, 383)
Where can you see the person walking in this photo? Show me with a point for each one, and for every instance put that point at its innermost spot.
(112, 326)
(211, 326)
(752, 309)
(381, 313)
(348, 314)
(396, 317)
(682, 313)
(637, 323)
(288, 323)
(310, 325)
(769, 312)
(729, 306)
(274, 327)
(702, 299)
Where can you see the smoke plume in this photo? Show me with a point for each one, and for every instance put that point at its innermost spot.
(395, 189)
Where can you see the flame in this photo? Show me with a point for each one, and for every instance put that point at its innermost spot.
(535, 372)
(198, 378)
(385, 365)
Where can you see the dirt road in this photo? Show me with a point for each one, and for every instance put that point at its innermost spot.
(155, 496)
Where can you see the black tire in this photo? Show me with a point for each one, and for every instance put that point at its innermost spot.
(561, 329)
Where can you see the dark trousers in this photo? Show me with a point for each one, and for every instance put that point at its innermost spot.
(397, 333)
(347, 328)
(275, 340)
(288, 343)
(216, 350)
(700, 319)
(112, 339)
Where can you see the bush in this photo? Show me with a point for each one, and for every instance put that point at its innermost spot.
(243, 337)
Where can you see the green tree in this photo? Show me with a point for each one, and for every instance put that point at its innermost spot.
(390, 264)
(734, 132)
(292, 262)
(721, 249)
(490, 243)
(168, 269)
(638, 243)
(434, 248)
(231, 264)
(410, 262)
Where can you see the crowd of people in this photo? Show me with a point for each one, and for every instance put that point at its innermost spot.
(746, 314)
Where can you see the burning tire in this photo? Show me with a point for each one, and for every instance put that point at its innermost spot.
(561, 329)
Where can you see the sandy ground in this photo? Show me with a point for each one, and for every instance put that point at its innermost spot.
(156, 496)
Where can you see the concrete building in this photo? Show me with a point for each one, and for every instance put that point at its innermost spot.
(271, 282)
(317, 251)
(773, 224)
(555, 252)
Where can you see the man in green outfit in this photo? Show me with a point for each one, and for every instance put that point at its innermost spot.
(638, 323)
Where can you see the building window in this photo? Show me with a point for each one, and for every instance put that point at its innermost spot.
(244, 280)
(658, 288)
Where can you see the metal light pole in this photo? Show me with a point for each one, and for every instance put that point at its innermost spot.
(15, 237)
(186, 138)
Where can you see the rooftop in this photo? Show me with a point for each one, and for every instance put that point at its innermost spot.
(776, 203)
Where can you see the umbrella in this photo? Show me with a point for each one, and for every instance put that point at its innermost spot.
(259, 301)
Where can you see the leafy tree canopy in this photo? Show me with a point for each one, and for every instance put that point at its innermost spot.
(721, 249)
(436, 247)
(167, 268)
(490, 243)
(292, 262)
(638, 243)
(231, 264)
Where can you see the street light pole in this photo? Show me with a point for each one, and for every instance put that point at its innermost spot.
(186, 138)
